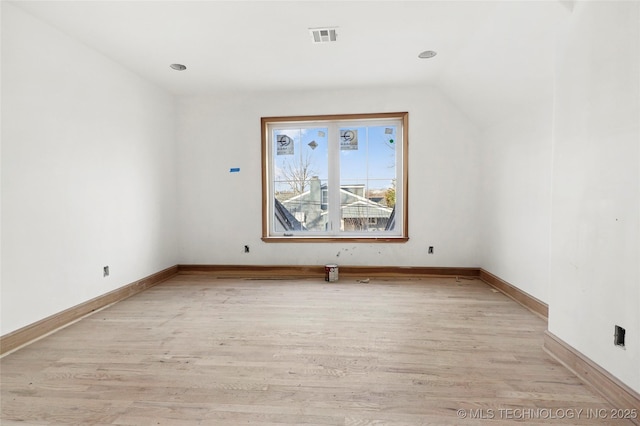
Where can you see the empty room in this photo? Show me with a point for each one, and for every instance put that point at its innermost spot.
(320, 212)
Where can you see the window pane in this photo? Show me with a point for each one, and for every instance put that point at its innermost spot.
(367, 178)
(300, 171)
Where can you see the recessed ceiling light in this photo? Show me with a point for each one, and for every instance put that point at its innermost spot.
(427, 54)
(178, 67)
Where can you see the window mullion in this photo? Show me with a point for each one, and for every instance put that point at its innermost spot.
(334, 179)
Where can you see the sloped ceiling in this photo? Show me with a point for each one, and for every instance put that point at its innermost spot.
(492, 56)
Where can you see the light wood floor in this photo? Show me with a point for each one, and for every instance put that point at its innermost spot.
(196, 350)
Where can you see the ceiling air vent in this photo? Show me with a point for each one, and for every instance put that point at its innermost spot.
(323, 35)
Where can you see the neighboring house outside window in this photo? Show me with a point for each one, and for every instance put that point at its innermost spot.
(335, 177)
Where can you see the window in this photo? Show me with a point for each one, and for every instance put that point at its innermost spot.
(336, 177)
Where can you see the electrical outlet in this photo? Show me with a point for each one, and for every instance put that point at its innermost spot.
(105, 271)
(618, 337)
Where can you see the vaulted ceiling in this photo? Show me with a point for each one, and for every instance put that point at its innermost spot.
(492, 57)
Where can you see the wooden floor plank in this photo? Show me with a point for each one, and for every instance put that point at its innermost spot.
(197, 350)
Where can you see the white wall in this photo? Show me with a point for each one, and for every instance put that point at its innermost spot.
(220, 212)
(515, 163)
(595, 232)
(88, 174)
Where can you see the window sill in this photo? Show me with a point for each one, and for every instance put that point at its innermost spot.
(335, 239)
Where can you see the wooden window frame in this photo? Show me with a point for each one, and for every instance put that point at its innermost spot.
(266, 158)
